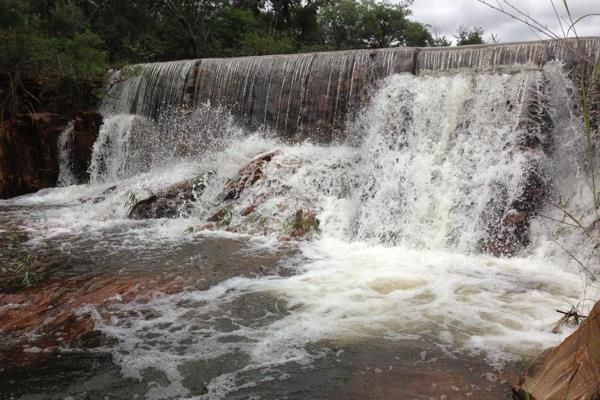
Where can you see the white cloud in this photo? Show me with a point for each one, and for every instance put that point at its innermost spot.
(447, 15)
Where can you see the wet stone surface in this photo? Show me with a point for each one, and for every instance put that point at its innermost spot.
(409, 369)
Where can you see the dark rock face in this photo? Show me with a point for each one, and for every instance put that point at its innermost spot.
(28, 153)
(86, 127)
(168, 204)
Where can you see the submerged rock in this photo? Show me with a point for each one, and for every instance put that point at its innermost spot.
(569, 371)
(55, 313)
(168, 204)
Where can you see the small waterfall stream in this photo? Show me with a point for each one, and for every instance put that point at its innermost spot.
(421, 166)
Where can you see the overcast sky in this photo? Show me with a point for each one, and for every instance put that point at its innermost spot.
(447, 15)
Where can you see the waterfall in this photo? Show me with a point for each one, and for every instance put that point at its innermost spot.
(290, 92)
(65, 144)
(436, 151)
(145, 89)
(313, 203)
(482, 57)
(311, 95)
(447, 157)
(111, 150)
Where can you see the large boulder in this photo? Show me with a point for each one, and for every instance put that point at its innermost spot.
(28, 153)
(570, 371)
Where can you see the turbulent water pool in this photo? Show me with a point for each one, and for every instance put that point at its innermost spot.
(391, 296)
(326, 319)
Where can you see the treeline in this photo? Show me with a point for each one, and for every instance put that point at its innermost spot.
(71, 43)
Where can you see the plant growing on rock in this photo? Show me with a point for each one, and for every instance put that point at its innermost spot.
(302, 223)
(22, 268)
(131, 201)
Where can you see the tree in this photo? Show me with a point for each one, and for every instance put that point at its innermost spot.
(341, 22)
(438, 40)
(369, 23)
(45, 44)
(467, 35)
(198, 18)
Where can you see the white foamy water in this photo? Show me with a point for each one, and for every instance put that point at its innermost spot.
(503, 309)
(403, 208)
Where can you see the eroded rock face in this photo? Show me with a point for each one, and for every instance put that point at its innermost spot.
(570, 371)
(28, 153)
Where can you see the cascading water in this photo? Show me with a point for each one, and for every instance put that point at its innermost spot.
(434, 152)
(65, 175)
(146, 88)
(408, 196)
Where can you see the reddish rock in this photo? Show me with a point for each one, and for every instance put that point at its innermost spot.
(28, 153)
(570, 371)
(514, 217)
(221, 215)
(248, 175)
(47, 316)
(303, 224)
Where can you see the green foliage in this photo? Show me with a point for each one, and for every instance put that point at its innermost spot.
(370, 23)
(302, 223)
(131, 201)
(467, 35)
(44, 44)
(254, 43)
(440, 41)
(21, 267)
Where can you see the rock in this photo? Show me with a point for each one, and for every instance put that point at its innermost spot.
(570, 371)
(50, 315)
(508, 229)
(514, 217)
(247, 176)
(168, 204)
(86, 128)
(221, 216)
(28, 153)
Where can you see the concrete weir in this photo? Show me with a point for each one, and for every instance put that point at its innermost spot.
(312, 94)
